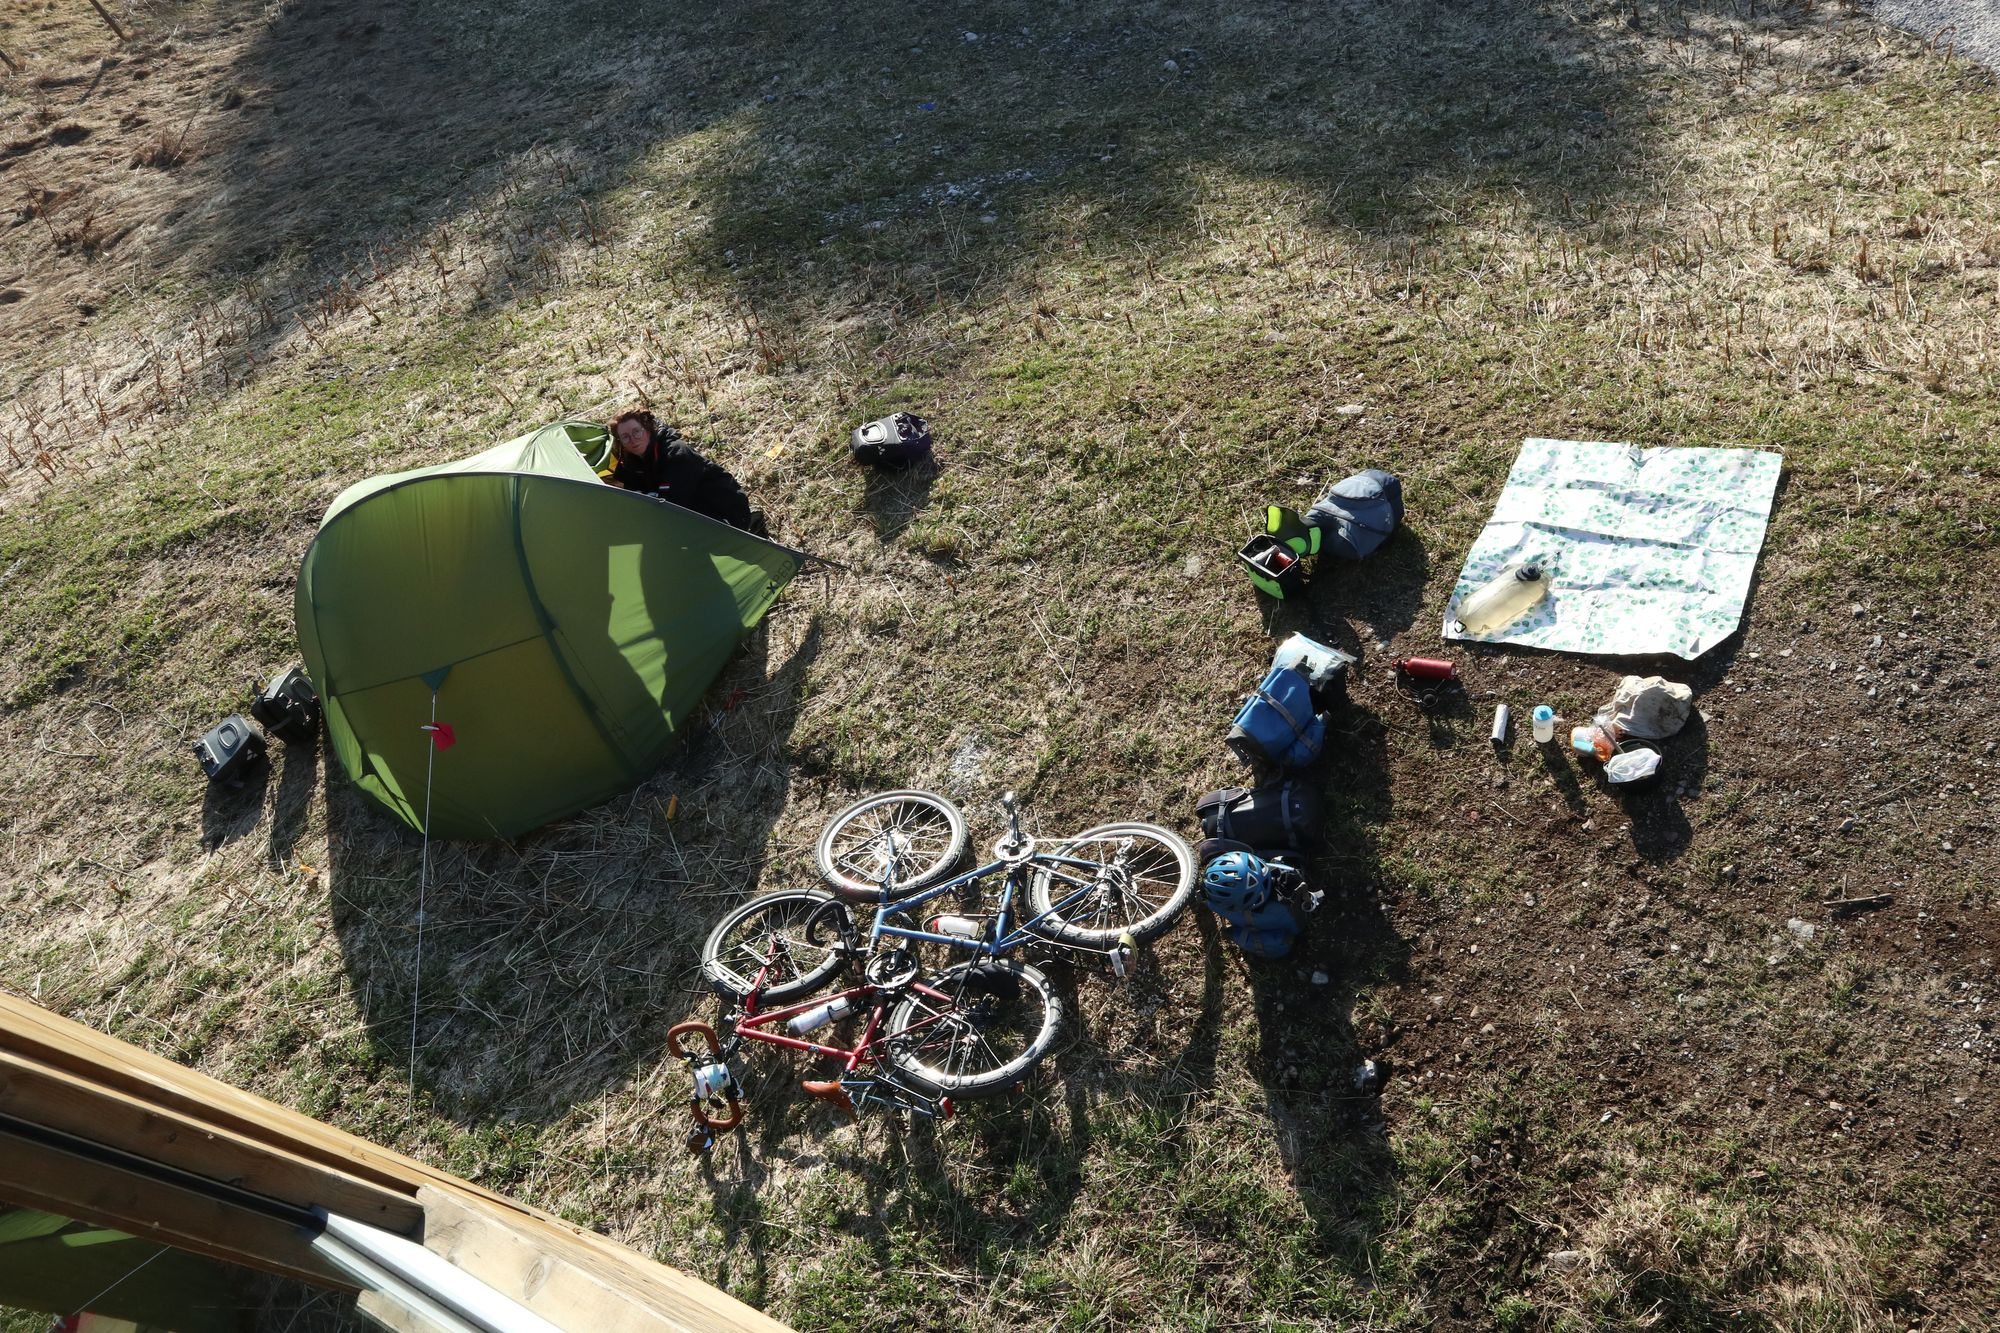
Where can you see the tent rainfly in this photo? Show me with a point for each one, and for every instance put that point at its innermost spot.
(562, 629)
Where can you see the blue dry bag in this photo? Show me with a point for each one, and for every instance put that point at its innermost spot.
(1277, 724)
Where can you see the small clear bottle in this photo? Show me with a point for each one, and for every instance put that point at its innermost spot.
(1503, 599)
(1544, 719)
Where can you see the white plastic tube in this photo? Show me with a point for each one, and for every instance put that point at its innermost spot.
(428, 1285)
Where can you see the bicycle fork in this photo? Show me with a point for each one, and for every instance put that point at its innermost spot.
(717, 1100)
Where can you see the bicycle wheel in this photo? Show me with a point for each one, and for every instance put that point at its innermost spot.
(1136, 878)
(915, 836)
(973, 1030)
(796, 938)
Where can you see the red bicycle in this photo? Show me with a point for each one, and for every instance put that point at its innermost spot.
(972, 1030)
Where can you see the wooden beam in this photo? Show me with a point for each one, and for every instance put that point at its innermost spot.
(53, 1040)
(62, 1061)
(576, 1291)
(37, 1176)
(57, 1099)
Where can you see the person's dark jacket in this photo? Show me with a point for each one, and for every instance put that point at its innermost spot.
(677, 473)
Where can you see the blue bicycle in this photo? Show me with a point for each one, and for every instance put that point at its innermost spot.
(1101, 891)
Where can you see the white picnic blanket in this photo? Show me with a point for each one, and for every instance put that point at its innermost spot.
(1647, 550)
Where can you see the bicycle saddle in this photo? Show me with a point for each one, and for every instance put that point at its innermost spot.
(830, 1092)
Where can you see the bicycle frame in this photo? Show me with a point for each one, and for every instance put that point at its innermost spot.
(855, 1089)
(1005, 940)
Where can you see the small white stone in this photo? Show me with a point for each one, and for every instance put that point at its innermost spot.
(1171, 66)
(1350, 409)
(1805, 930)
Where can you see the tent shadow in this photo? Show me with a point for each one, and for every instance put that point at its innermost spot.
(553, 966)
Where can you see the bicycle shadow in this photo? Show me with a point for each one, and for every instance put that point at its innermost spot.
(1004, 1172)
(912, 1173)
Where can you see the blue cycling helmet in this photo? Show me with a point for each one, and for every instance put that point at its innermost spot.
(1236, 882)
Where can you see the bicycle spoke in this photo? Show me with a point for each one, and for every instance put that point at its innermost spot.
(898, 841)
(857, 863)
(777, 950)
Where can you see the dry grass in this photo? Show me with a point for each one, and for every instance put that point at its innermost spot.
(1706, 224)
(1665, 1258)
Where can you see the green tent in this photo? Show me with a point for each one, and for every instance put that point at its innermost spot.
(561, 628)
(61, 1267)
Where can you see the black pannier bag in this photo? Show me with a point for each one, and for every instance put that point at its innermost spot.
(231, 749)
(1278, 814)
(289, 708)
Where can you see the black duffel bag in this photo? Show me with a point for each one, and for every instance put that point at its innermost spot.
(1278, 814)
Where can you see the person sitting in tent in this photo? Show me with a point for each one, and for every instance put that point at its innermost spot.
(654, 460)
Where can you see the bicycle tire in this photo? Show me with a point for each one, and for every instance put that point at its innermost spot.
(1169, 864)
(935, 1043)
(851, 865)
(809, 927)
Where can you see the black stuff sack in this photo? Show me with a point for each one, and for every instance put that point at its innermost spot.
(1358, 513)
(1276, 815)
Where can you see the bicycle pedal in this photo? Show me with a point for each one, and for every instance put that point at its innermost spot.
(832, 1093)
(700, 1141)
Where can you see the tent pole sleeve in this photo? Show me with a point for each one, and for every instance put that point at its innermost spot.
(633, 773)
